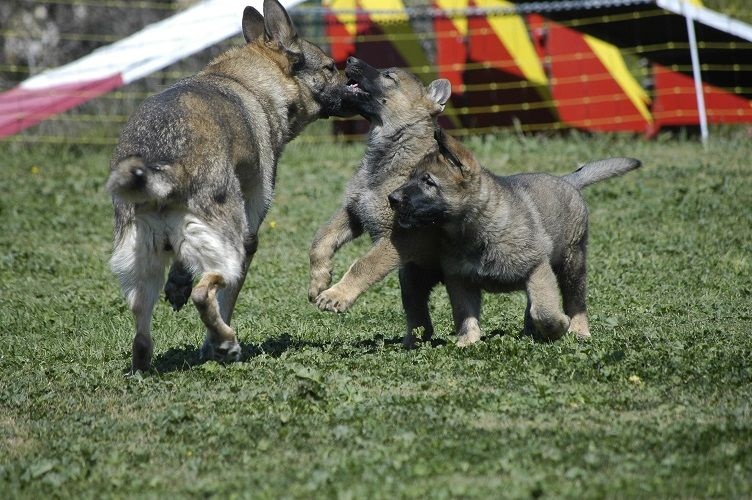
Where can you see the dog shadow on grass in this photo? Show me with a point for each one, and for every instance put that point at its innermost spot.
(186, 357)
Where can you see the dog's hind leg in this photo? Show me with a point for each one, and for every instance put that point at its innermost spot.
(228, 296)
(221, 343)
(329, 238)
(544, 318)
(216, 252)
(140, 269)
(573, 281)
(465, 299)
(416, 284)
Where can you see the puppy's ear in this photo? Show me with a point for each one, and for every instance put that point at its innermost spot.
(253, 24)
(444, 150)
(439, 92)
(455, 154)
(278, 29)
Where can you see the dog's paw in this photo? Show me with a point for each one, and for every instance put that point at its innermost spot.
(414, 337)
(582, 335)
(468, 338)
(580, 327)
(333, 299)
(178, 287)
(315, 287)
(550, 329)
(225, 352)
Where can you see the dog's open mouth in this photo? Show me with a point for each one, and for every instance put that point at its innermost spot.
(355, 87)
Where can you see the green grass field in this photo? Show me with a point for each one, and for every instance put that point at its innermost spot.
(657, 404)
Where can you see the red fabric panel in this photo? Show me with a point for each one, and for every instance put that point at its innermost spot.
(21, 108)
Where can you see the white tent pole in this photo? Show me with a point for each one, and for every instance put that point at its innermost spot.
(687, 12)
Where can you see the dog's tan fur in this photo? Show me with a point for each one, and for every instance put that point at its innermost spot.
(193, 175)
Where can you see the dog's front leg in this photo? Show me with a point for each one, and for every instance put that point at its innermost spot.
(364, 272)
(544, 318)
(465, 299)
(416, 283)
(330, 237)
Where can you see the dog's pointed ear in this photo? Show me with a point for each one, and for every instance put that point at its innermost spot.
(455, 154)
(278, 29)
(439, 92)
(253, 24)
(447, 153)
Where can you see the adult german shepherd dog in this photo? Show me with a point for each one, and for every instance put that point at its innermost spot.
(193, 174)
(521, 232)
(402, 113)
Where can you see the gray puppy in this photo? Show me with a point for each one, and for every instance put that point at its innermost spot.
(521, 232)
(193, 174)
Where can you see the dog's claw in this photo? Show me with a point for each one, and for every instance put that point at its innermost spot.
(224, 352)
(333, 300)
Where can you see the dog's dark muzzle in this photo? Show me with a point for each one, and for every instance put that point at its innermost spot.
(395, 199)
(400, 205)
(360, 76)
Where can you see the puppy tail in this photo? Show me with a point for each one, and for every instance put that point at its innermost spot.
(599, 170)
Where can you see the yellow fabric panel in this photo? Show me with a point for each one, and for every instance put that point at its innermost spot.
(348, 20)
(612, 59)
(512, 31)
(459, 22)
(386, 5)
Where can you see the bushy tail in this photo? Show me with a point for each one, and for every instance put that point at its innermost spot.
(132, 180)
(599, 170)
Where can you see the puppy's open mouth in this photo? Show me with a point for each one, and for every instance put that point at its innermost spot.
(355, 87)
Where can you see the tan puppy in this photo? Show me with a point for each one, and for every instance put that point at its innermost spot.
(402, 112)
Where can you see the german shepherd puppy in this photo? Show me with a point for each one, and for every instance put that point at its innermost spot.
(193, 174)
(402, 113)
(521, 232)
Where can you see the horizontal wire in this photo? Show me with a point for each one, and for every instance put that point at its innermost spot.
(495, 64)
(468, 88)
(552, 104)
(129, 4)
(337, 137)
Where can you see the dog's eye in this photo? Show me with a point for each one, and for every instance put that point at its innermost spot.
(428, 180)
(391, 76)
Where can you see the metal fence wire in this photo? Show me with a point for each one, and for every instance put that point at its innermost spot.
(595, 65)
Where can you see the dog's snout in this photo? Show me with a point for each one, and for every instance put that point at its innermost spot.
(139, 176)
(394, 199)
